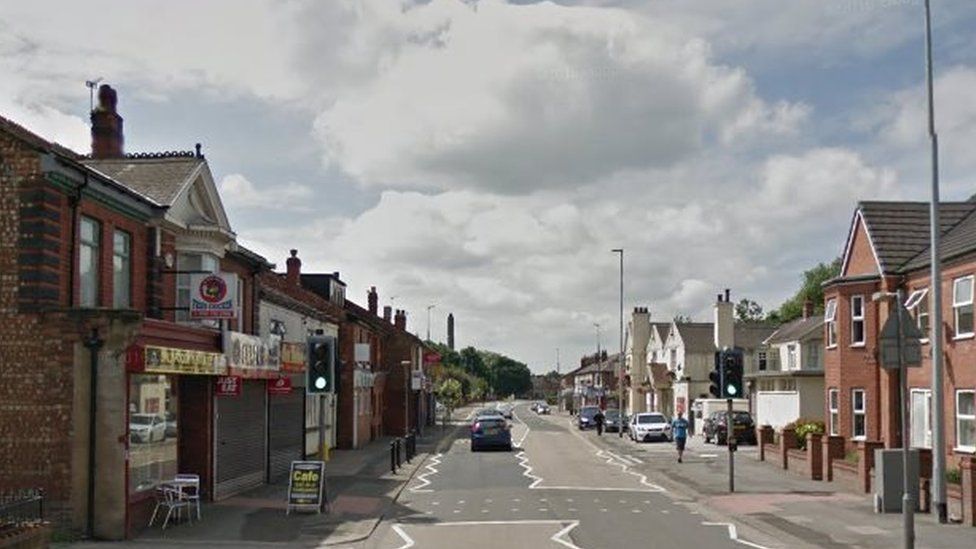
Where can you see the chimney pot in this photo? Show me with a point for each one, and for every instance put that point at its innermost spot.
(387, 313)
(373, 299)
(199, 149)
(107, 134)
(727, 298)
(293, 267)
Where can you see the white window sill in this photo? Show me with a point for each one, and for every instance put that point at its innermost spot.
(859, 439)
(829, 347)
(924, 341)
(963, 336)
(965, 449)
(857, 345)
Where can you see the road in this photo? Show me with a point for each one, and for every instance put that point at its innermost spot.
(557, 489)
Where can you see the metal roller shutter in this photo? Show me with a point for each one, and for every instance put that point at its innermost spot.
(286, 433)
(241, 439)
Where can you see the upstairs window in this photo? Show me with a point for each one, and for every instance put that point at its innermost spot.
(792, 360)
(857, 320)
(121, 270)
(763, 360)
(918, 304)
(833, 403)
(90, 235)
(962, 305)
(830, 320)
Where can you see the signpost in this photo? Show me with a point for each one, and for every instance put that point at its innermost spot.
(306, 486)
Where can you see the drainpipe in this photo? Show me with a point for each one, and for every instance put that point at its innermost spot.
(93, 343)
(73, 203)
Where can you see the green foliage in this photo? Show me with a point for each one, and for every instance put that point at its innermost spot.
(811, 290)
(852, 457)
(482, 374)
(449, 393)
(747, 310)
(682, 319)
(953, 475)
(802, 427)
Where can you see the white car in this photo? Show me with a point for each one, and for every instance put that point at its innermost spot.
(146, 428)
(649, 426)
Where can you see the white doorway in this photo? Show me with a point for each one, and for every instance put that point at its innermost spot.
(921, 417)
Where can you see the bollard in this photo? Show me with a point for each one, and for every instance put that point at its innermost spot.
(398, 459)
(407, 450)
(393, 463)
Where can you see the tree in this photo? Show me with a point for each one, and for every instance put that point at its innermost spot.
(747, 310)
(681, 319)
(473, 363)
(449, 394)
(510, 377)
(811, 290)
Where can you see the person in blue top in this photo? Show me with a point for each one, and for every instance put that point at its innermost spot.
(679, 431)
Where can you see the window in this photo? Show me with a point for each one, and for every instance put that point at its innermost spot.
(966, 420)
(962, 305)
(186, 263)
(918, 304)
(833, 397)
(813, 358)
(830, 319)
(921, 418)
(792, 360)
(121, 270)
(858, 409)
(88, 264)
(763, 361)
(857, 320)
(153, 432)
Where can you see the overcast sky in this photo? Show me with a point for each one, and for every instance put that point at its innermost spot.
(485, 156)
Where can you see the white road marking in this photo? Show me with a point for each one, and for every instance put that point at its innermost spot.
(559, 537)
(407, 540)
(431, 469)
(634, 458)
(708, 455)
(734, 535)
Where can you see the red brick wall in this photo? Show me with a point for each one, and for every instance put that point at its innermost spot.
(350, 333)
(861, 259)
(110, 221)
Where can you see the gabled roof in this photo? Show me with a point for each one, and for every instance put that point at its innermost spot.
(959, 240)
(899, 231)
(161, 177)
(751, 335)
(698, 337)
(797, 329)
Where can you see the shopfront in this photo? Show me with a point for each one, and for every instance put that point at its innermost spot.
(286, 413)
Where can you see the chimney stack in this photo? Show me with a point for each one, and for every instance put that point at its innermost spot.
(400, 320)
(387, 313)
(294, 269)
(724, 322)
(807, 309)
(373, 299)
(450, 331)
(106, 126)
(640, 329)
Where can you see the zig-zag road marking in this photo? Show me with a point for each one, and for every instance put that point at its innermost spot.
(524, 462)
(734, 534)
(560, 537)
(431, 469)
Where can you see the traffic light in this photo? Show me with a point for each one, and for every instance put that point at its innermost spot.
(732, 373)
(715, 376)
(319, 376)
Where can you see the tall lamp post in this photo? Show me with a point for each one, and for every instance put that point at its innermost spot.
(429, 307)
(620, 377)
(599, 361)
(938, 400)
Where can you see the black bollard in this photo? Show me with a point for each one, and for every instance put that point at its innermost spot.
(393, 462)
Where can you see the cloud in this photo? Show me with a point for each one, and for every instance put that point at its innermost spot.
(237, 192)
(568, 96)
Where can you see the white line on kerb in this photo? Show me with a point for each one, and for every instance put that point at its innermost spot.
(734, 534)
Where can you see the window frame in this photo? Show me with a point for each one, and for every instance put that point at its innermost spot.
(830, 322)
(927, 395)
(762, 360)
(183, 316)
(918, 305)
(968, 417)
(833, 411)
(95, 247)
(792, 356)
(126, 269)
(957, 305)
(855, 412)
(855, 319)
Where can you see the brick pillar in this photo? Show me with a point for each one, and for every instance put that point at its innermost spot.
(764, 435)
(865, 462)
(833, 448)
(787, 441)
(967, 466)
(815, 455)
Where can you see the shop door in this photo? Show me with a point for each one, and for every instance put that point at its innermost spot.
(241, 438)
(286, 433)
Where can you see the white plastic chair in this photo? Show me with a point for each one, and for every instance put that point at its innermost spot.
(169, 497)
(190, 489)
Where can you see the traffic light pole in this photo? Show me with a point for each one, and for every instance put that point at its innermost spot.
(729, 439)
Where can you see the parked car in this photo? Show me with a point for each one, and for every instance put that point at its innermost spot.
(170, 424)
(146, 428)
(744, 428)
(507, 410)
(488, 412)
(490, 431)
(648, 426)
(584, 420)
(542, 409)
(613, 421)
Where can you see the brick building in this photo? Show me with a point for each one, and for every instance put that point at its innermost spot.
(886, 250)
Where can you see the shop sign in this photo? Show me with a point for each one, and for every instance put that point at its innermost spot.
(169, 360)
(229, 386)
(306, 486)
(280, 386)
(416, 380)
(361, 353)
(213, 295)
(431, 357)
(293, 356)
(252, 357)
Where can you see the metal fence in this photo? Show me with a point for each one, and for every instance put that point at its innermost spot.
(20, 506)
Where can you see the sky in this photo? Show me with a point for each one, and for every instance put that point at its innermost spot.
(485, 156)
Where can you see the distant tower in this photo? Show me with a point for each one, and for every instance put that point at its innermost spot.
(450, 331)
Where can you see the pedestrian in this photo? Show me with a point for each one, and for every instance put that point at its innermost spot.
(598, 419)
(679, 432)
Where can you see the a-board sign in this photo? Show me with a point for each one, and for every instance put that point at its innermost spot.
(306, 486)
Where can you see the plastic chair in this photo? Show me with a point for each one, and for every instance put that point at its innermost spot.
(170, 498)
(190, 481)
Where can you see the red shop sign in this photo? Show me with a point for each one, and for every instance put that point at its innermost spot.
(228, 386)
(280, 386)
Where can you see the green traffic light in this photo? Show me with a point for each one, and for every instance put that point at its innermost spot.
(320, 382)
(731, 390)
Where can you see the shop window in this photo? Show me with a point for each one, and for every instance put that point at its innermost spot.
(859, 414)
(121, 270)
(834, 405)
(966, 420)
(153, 431)
(89, 247)
(962, 305)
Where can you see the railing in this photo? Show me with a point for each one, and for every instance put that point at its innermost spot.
(402, 449)
(20, 506)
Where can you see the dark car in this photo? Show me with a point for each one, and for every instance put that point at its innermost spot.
(584, 420)
(613, 421)
(490, 431)
(744, 428)
(488, 412)
(542, 409)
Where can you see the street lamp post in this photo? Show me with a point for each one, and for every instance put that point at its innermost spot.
(938, 419)
(599, 361)
(620, 377)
